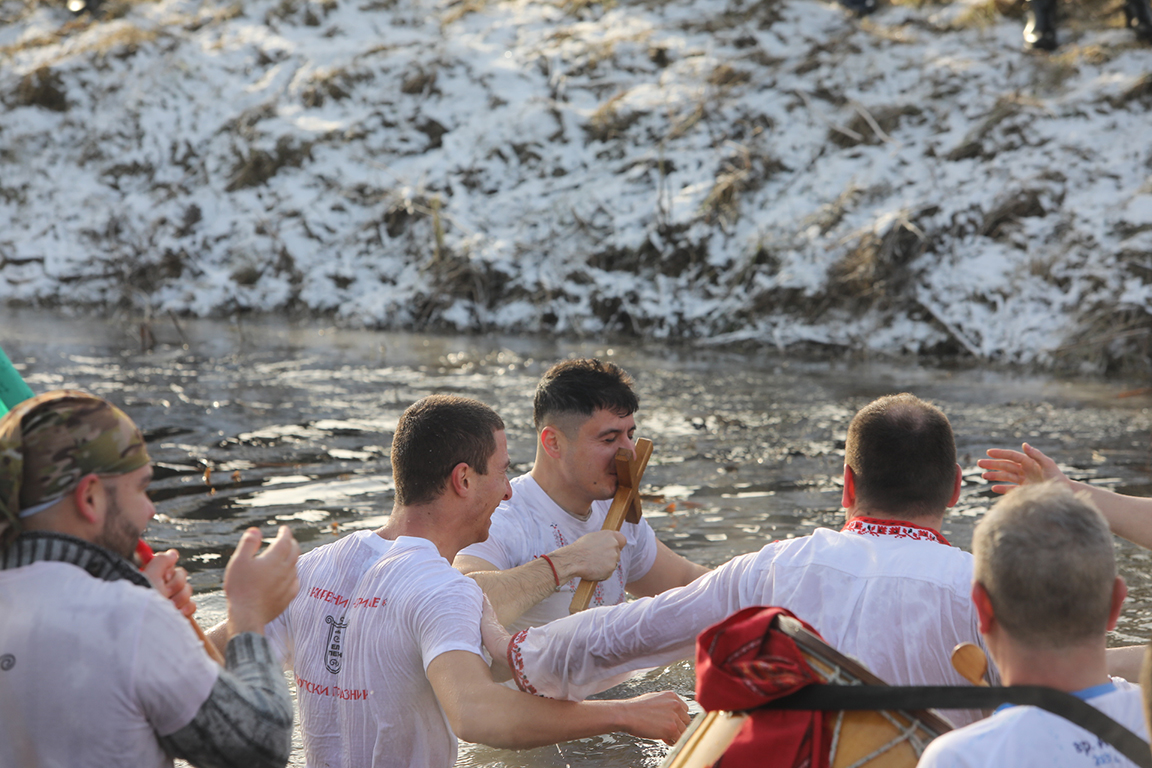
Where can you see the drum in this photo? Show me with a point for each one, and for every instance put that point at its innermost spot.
(860, 739)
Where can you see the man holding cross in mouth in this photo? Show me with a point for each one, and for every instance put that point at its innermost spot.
(548, 535)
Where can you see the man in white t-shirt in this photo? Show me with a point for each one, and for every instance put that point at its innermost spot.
(548, 535)
(98, 668)
(887, 589)
(1047, 592)
(384, 636)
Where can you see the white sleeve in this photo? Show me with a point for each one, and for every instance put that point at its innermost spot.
(502, 546)
(570, 658)
(448, 619)
(940, 754)
(173, 672)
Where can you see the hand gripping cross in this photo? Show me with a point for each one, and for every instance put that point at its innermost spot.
(625, 506)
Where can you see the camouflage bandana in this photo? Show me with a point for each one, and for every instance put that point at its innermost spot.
(48, 443)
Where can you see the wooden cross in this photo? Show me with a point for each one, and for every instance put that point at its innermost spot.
(625, 506)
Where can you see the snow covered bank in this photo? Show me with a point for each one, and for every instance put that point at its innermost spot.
(726, 170)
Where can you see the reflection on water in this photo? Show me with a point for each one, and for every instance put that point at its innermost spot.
(265, 422)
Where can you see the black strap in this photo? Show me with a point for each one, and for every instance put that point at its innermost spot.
(873, 697)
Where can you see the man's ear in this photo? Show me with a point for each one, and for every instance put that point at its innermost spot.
(983, 605)
(1119, 592)
(89, 498)
(461, 479)
(848, 499)
(957, 481)
(552, 441)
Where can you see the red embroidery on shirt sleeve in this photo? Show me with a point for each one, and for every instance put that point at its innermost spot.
(516, 663)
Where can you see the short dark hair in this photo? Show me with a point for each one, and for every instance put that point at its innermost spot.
(435, 435)
(1045, 558)
(581, 387)
(902, 455)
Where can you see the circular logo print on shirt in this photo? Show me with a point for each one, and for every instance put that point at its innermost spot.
(7, 661)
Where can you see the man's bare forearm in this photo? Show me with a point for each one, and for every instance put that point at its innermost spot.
(593, 556)
(515, 590)
(485, 712)
(1129, 517)
(1125, 661)
(218, 636)
(524, 722)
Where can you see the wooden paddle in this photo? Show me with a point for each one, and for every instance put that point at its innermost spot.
(705, 740)
(625, 506)
(969, 660)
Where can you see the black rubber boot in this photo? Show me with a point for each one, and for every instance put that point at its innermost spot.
(1139, 18)
(1040, 32)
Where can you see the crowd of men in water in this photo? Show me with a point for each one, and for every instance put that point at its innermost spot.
(451, 620)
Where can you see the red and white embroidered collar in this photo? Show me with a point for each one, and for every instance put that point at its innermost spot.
(900, 529)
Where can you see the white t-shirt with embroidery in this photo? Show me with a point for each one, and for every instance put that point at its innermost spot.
(309, 635)
(893, 596)
(410, 607)
(95, 672)
(531, 524)
(1030, 736)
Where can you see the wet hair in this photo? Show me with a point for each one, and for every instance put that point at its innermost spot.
(580, 388)
(902, 455)
(435, 435)
(1044, 556)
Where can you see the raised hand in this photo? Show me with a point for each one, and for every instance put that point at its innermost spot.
(662, 715)
(1010, 469)
(260, 586)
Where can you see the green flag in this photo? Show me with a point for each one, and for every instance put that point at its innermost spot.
(13, 390)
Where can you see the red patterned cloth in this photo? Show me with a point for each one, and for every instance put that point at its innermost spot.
(744, 662)
(900, 529)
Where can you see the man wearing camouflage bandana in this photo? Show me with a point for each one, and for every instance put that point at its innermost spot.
(63, 437)
(96, 667)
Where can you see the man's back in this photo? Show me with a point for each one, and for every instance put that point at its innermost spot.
(897, 603)
(1047, 592)
(92, 670)
(888, 595)
(1030, 736)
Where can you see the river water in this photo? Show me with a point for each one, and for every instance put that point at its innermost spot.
(262, 422)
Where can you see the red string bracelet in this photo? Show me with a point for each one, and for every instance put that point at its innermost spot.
(551, 565)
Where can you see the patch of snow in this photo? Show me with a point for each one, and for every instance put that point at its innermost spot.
(776, 172)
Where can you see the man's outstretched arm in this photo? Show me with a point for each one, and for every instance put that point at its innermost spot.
(576, 656)
(1126, 661)
(485, 712)
(668, 570)
(593, 556)
(1127, 516)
